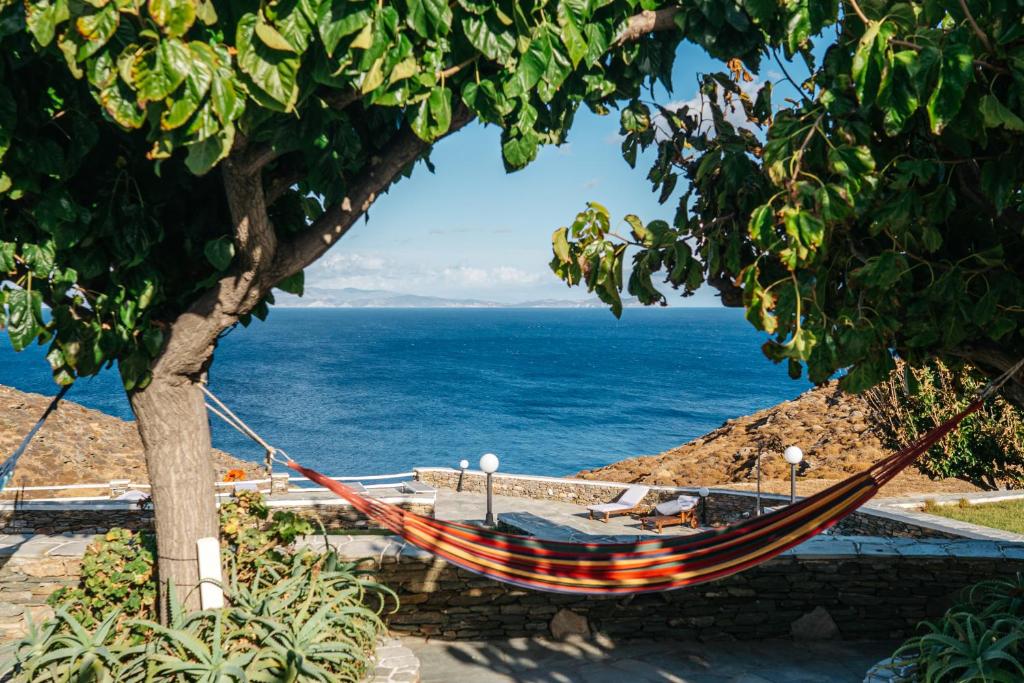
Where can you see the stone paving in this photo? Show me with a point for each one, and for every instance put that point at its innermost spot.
(523, 660)
(548, 519)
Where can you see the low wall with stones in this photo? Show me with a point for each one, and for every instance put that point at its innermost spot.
(838, 587)
(30, 570)
(724, 506)
(94, 517)
(842, 587)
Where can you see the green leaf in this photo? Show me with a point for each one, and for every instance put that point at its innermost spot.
(531, 67)
(220, 252)
(185, 103)
(175, 17)
(494, 42)
(996, 114)
(560, 244)
(96, 29)
(336, 20)
(272, 38)
(24, 317)
(867, 64)
(7, 251)
(204, 155)
(118, 101)
(42, 19)
(428, 18)
(433, 116)
(761, 226)
(294, 284)
(158, 72)
(275, 72)
(956, 72)
(572, 37)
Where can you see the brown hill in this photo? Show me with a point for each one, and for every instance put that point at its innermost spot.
(835, 431)
(79, 445)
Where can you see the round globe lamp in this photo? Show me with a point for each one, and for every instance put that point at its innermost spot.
(793, 455)
(489, 465)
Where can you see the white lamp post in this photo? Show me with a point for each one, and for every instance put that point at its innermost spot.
(489, 465)
(793, 456)
(703, 492)
(463, 466)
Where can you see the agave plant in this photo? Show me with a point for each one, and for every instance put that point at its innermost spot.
(199, 649)
(998, 596)
(64, 650)
(965, 648)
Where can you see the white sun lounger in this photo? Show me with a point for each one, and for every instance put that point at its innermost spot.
(626, 503)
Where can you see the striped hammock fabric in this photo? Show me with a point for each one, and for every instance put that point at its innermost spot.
(643, 566)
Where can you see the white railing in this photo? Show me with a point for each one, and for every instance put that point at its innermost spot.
(373, 477)
(117, 486)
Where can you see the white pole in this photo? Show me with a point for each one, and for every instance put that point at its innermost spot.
(211, 596)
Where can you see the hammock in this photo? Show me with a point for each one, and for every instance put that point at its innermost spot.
(642, 566)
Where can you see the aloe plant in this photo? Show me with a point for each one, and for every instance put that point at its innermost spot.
(980, 640)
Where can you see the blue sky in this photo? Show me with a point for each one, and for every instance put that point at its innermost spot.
(472, 230)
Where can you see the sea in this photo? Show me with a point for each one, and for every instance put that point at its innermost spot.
(550, 391)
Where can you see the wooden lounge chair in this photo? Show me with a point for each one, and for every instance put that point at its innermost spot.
(676, 512)
(626, 503)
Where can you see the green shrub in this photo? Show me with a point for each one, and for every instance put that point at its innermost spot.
(981, 639)
(292, 614)
(117, 573)
(987, 448)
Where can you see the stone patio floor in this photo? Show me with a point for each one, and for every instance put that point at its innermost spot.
(548, 519)
(528, 660)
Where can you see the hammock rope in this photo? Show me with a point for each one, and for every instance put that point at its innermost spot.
(8, 465)
(641, 566)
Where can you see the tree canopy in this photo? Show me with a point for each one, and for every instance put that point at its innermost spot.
(878, 210)
(114, 112)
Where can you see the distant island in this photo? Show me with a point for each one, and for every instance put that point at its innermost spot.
(351, 297)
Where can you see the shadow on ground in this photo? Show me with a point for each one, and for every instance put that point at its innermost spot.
(535, 660)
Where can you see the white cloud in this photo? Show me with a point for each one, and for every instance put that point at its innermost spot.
(701, 107)
(372, 271)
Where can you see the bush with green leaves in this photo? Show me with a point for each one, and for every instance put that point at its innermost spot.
(979, 640)
(988, 447)
(117, 572)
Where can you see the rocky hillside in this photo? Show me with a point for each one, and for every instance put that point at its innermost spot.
(78, 445)
(835, 431)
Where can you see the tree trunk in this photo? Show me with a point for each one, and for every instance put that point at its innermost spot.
(175, 432)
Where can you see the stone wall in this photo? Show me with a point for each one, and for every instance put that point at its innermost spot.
(94, 518)
(869, 590)
(868, 522)
(30, 570)
(858, 588)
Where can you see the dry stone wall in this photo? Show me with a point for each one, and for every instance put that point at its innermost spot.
(867, 591)
(42, 518)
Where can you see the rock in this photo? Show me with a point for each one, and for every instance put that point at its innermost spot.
(815, 625)
(79, 445)
(567, 624)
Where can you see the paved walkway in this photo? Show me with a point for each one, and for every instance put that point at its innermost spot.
(524, 660)
(548, 519)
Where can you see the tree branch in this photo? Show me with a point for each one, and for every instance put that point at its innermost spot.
(994, 361)
(648, 21)
(974, 26)
(192, 337)
(383, 169)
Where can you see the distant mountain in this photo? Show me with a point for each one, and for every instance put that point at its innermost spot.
(351, 297)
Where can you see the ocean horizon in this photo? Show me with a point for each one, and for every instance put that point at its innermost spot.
(361, 391)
